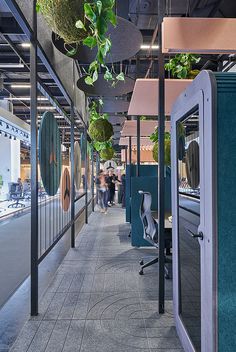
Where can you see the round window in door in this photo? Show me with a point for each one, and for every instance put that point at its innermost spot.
(192, 165)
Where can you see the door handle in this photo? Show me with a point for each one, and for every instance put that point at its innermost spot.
(195, 235)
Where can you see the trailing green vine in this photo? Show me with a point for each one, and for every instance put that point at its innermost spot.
(89, 29)
(180, 66)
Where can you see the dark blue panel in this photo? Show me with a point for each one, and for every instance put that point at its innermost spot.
(226, 197)
(148, 184)
(145, 170)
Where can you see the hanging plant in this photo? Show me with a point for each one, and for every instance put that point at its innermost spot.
(94, 113)
(107, 153)
(99, 146)
(100, 130)
(167, 152)
(180, 66)
(84, 22)
(154, 139)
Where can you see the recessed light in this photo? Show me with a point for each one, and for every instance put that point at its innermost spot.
(25, 45)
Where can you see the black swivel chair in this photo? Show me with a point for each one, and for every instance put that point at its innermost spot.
(15, 195)
(150, 234)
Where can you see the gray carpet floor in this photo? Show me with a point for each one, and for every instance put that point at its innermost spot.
(97, 302)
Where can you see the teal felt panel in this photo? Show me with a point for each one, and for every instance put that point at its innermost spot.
(148, 184)
(50, 153)
(226, 207)
(145, 170)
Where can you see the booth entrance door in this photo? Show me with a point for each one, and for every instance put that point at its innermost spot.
(189, 237)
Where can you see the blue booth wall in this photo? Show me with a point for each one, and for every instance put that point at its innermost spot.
(147, 184)
(144, 170)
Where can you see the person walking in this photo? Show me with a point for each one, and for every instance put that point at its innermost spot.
(112, 179)
(102, 191)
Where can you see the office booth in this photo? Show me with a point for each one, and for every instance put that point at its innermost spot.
(203, 204)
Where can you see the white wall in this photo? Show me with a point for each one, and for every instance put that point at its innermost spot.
(9, 162)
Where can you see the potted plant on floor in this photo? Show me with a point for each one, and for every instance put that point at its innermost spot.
(84, 22)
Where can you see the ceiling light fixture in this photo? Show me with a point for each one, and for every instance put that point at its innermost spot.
(25, 45)
(25, 98)
(46, 108)
(148, 46)
(23, 86)
(12, 65)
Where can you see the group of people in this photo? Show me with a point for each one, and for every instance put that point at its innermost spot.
(106, 185)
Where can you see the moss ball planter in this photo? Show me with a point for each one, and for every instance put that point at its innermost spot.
(61, 16)
(167, 152)
(100, 130)
(107, 154)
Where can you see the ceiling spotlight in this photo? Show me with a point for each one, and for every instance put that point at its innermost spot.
(5, 134)
(9, 136)
(148, 46)
(14, 138)
(0, 132)
(0, 123)
(7, 126)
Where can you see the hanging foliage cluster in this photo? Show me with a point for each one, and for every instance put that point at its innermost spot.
(84, 22)
(100, 129)
(154, 138)
(180, 66)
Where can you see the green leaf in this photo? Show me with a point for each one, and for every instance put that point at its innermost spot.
(100, 57)
(100, 101)
(79, 24)
(101, 26)
(89, 80)
(111, 17)
(95, 76)
(120, 77)
(108, 76)
(90, 41)
(89, 13)
(38, 8)
(105, 47)
(93, 66)
(99, 6)
(72, 52)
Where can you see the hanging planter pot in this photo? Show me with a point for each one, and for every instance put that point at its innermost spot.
(100, 130)
(126, 40)
(107, 154)
(61, 16)
(104, 88)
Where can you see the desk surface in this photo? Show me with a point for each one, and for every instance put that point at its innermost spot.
(168, 224)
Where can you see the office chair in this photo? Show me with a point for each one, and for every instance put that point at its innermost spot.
(15, 194)
(150, 234)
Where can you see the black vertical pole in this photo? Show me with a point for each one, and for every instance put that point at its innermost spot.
(86, 175)
(161, 179)
(130, 151)
(138, 147)
(92, 178)
(126, 156)
(72, 167)
(34, 165)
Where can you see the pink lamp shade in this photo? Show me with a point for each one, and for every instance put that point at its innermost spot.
(199, 35)
(145, 97)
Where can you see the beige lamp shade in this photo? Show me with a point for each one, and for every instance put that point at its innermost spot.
(144, 141)
(199, 35)
(145, 97)
(145, 156)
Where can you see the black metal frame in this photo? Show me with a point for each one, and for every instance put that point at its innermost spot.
(35, 52)
(161, 170)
